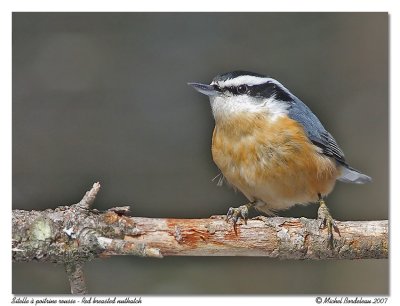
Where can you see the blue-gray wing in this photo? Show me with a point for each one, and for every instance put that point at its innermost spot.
(315, 131)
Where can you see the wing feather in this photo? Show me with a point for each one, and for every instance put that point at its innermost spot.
(315, 130)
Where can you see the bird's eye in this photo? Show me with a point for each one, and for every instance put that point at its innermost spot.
(242, 89)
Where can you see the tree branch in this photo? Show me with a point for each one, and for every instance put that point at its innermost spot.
(76, 277)
(72, 235)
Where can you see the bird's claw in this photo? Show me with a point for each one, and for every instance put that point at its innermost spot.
(236, 213)
(328, 222)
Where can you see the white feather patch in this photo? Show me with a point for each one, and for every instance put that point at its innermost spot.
(224, 107)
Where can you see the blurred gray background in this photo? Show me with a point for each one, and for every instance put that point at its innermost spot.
(103, 97)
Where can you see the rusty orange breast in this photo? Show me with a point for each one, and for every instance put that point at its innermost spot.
(272, 160)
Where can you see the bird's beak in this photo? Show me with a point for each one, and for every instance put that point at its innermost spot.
(208, 90)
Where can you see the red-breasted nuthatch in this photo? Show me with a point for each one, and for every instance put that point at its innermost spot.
(269, 145)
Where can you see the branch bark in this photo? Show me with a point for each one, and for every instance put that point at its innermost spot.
(76, 277)
(72, 235)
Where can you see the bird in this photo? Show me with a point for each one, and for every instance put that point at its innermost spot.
(270, 146)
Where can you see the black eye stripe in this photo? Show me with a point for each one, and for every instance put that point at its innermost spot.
(236, 90)
(269, 89)
(264, 90)
(216, 87)
(230, 89)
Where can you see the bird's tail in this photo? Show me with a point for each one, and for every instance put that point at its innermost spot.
(351, 175)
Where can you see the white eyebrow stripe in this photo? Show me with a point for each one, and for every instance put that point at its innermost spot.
(244, 79)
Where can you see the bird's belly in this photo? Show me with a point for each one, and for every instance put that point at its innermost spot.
(278, 166)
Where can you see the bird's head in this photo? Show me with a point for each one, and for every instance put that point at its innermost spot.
(241, 92)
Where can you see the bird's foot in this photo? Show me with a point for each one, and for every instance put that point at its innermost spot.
(327, 221)
(240, 212)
